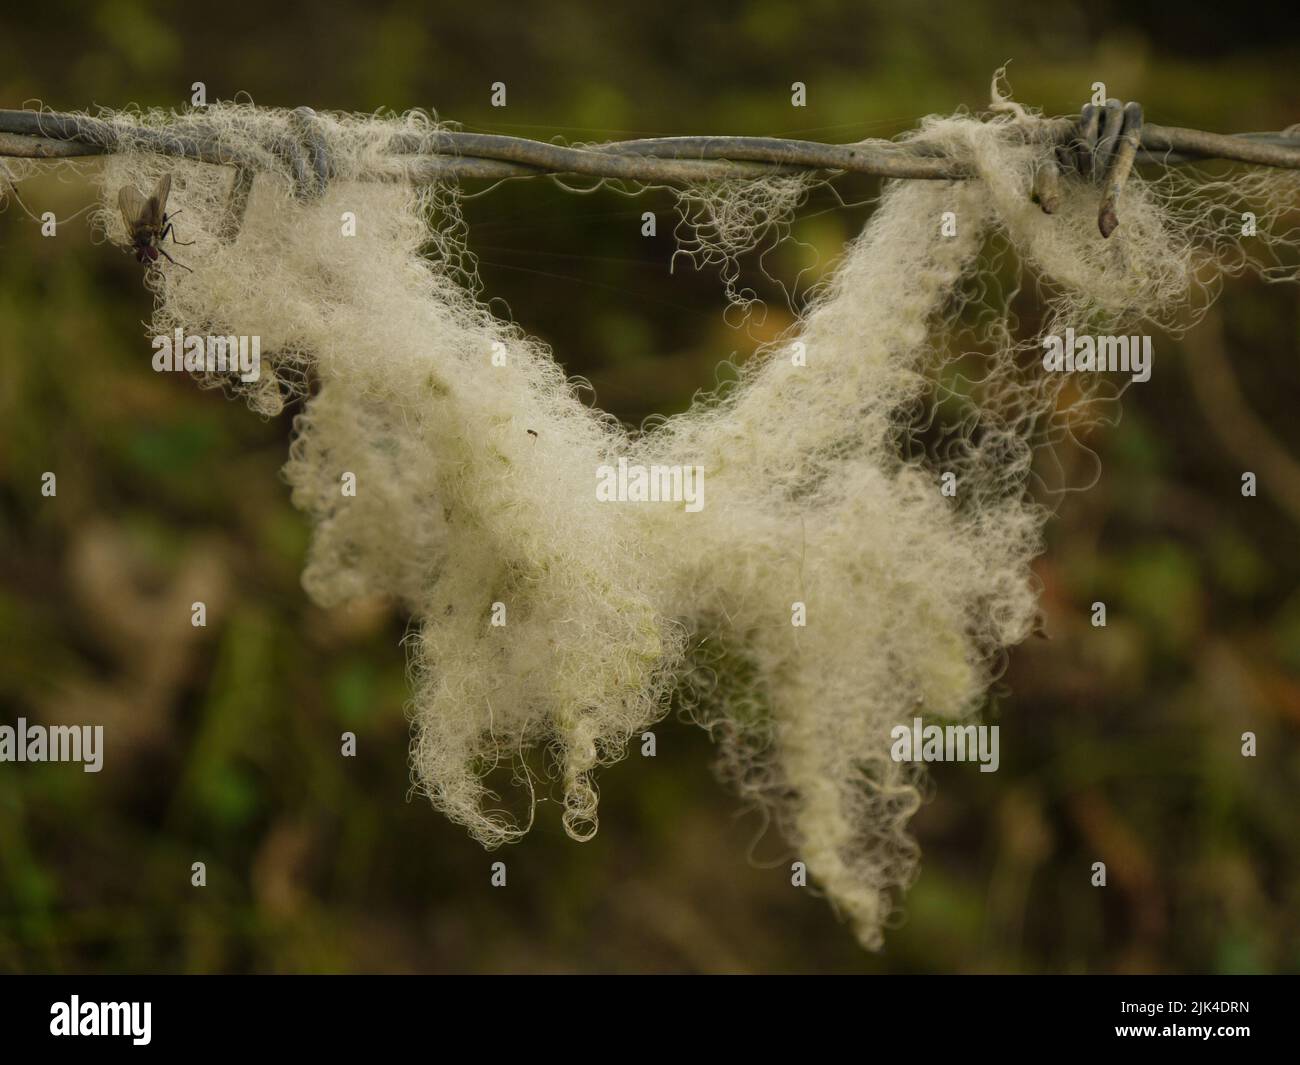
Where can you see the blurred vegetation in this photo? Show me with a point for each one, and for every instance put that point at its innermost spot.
(1120, 743)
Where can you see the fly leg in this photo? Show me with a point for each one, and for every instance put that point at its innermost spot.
(169, 228)
(163, 252)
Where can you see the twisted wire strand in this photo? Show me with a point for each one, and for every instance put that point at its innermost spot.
(1102, 142)
(448, 154)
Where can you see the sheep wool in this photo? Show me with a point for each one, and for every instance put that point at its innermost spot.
(476, 466)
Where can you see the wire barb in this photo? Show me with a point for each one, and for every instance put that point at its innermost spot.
(1121, 165)
(237, 205)
(1047, 186)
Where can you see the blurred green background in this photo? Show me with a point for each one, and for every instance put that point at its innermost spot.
(1120, 744)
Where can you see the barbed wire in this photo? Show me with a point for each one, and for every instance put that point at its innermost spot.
(1103, 142)
(440, 154)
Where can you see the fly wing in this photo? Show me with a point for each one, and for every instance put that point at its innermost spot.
(153, 211)
(133, 207)
(158, 201)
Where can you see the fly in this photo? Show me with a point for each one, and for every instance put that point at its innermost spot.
(148, 223)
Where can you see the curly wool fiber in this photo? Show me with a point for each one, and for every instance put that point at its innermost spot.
(476, 476)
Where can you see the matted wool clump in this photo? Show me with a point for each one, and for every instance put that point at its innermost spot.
(476, 476)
